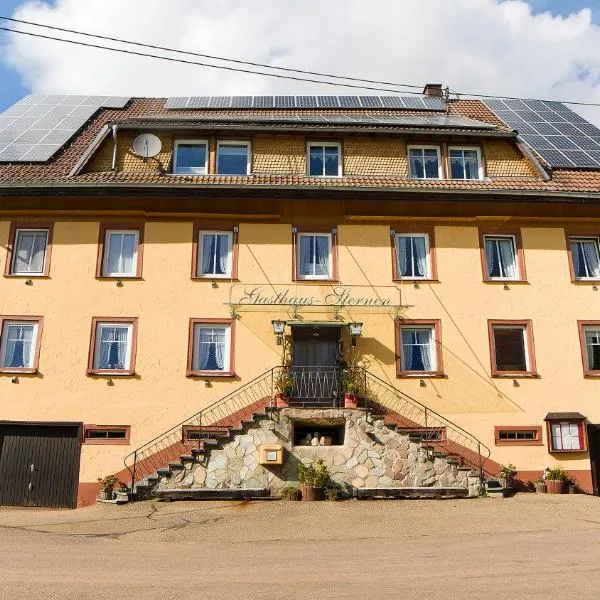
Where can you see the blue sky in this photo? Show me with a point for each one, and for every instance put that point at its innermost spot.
(13, 86)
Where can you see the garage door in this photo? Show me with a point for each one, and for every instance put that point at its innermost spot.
(39, 464)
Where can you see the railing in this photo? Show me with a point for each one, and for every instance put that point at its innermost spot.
(436, 431)
(226, 412)
(320, 386)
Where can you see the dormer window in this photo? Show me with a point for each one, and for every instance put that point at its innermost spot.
(190, 157)
(233, 158)
(425, 162)
(465, 163)
(324, 159)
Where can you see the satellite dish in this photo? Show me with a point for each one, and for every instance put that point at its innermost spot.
(146, 145)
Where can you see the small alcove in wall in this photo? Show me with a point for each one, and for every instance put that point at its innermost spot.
(329, 432)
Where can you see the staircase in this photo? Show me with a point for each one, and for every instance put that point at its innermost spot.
(184, 461)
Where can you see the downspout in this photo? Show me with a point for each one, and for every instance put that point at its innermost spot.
(113, 166)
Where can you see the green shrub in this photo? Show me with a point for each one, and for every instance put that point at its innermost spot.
(314, 474)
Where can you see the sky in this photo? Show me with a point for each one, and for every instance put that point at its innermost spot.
(539, 48)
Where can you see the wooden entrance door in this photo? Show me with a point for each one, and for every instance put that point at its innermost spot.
(593, 432)
(39, 464)
(315, 361)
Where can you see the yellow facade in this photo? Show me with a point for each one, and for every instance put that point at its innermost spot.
(160, 395)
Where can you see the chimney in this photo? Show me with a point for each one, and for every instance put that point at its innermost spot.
(433, 89)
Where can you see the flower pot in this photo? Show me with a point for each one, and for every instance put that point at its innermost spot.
(350, 400)
(105, 495)
(281, 400)
(540, 487)
(572, 489)
(310, 493)
(556, 486)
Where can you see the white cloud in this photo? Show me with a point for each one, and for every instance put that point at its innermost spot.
(487, 46)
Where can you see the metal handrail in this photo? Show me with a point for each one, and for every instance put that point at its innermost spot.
(260, 392)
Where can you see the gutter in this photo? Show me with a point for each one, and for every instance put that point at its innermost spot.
(192, 188)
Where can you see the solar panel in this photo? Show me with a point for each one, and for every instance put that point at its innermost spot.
(393, 102)
(37, 126)
(560, 136)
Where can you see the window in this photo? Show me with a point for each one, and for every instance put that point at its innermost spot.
(29, 250)
(112, 349)
(511, 348)
(585, 258)
(211, 344)
(589, 336)
(190, 157)
(501, 258)
(314, 256)
(418, 348)
(518, 435)
(233, 158)
(19, 344)
(324, 159)
(106, 434)
(567, 436)
(412, 256)
(120, 252)
(425, 162)
(465, 163)
(214, 254)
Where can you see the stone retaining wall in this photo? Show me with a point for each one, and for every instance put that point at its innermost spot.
(372, 455)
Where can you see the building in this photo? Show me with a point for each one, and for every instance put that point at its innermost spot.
(151, 246)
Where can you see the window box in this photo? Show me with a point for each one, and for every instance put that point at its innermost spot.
(424, 162)
(566, 432)
(518, 435)
(120, 248)
(190, 157)
(589, 338)
(418, 348)
(511, 348)
(211, 348)
(233, 158)
(113, 346)
(583, 251)
(502, 256)
(413, 254)
(465, 162)
(29, 250)
(324, 159)
(315, 256)
(20, 344)
(215, 251)
(106, 434)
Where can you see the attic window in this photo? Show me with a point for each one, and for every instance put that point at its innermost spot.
(190, 157)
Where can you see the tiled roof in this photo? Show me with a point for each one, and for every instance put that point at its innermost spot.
(56, 171)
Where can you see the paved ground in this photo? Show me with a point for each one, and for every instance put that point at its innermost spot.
(528, 546)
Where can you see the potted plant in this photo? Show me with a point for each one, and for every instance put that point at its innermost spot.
(540, 485)
(284, 386)
(571, 486)
(352, 387)
(556, 480)
(506, 476)
(289, 492)
(313, 478)
(107, 485)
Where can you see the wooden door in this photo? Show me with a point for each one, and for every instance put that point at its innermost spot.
(593, 432)
(315, 356)
(39, 465)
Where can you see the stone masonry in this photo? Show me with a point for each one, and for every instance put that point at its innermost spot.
(373, 455)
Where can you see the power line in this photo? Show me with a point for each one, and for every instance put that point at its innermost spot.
(211, 66)
(210, 56)
(520, 98)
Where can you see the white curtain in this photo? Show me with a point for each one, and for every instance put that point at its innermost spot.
(424, 342)
(121, 253)
(507, 258)
(420, 256)
(208, 251)
(210, 348)
(592, 344)
(219, 342)
(404, 256)
(565, 436)
(305, 243)
(30, 252)
(416, 350)
(113, 348)
(222, 258)
(590, 257)
(321, 255)
(490, 253)
(19, 346)
(203, 348)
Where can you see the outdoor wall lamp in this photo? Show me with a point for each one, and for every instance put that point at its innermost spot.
(278, 329)
(355, 331)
